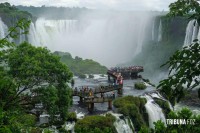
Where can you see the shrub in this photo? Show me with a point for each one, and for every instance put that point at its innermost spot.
(102, 75)
(133, 107)
(91, 76)
(35, 130)
(164, 105)
(140, 86)
(72, 116)
(146, 80)
(82, 76)
(62, 130)
(96, 124)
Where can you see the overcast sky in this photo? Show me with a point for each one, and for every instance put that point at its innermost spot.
(156, 5)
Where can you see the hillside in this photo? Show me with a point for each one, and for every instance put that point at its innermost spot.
(11, 14)
(79, 66)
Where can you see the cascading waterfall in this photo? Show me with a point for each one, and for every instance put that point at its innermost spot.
(153, 31)
(22, 36)
(93, 36)
(141, 36)
(3, 29)
(191, 32)
(122, 125)
(160, 32)
(154, 111)
(45, 32)
(69, 126)
(159, 96)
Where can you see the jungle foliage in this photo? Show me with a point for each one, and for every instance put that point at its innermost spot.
(96, 124)
(133, 107)
(80, 66)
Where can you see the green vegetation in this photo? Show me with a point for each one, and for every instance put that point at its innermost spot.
(184, 62)
(72, 83)
(30, 75)
(140, 86)
(72, 116)
(155, 53)
(82, 76)
(10, 14)
(148, 81)
(79, 66)
(133, 107)
(96, 124)
(164, 105)
(55, 12)
(91, 76)
(184, 128)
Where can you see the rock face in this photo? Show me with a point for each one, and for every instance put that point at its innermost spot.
(192, 99)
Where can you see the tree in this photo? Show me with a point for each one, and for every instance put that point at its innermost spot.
(23, 69)
(189, 8)
(185, 63)
(32, 67)
(10, 118)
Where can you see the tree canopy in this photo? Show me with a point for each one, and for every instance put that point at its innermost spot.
(184, 65)
(24, 69)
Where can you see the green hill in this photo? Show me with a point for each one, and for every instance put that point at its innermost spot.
(79, 66)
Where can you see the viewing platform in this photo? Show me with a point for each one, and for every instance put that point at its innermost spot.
(84, 91)
(88, 95)
(130, 72)
(91, 100)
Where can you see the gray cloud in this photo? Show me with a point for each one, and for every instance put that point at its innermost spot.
(100, 4)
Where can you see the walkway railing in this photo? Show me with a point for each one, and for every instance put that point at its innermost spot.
(84, 92)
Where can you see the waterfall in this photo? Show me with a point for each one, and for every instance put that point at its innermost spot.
(47, 32)
(94, 36)
(69, 126)
(191, 32)
(160, 32)
(154, 111)
(22, 36)
(3, 29)
(159, 96)
(153, 31)
(122, 125)
(141, 36)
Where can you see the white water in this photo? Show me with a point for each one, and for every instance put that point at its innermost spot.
(154, 111)
(191, 32)
(122, 125)
(118, 37)
(3, 29)
(69, 126)
(80, 115)
(157, 95)
(153, 31)
(160, 32)
(22, 37)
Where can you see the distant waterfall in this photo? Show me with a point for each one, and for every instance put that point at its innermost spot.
(160, 32)
(191, 32)
(44, 32)
(3, 29)
(153, 31)
(141, 36)
(22, 36)
(154, 111)
(88, 38)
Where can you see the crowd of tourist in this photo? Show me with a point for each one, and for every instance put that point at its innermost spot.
(125, 69)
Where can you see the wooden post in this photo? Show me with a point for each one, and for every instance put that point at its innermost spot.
(109, 104)
(109, 78)
(114, 80)
(81, 99)
(90, 107)
(119, 90)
